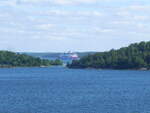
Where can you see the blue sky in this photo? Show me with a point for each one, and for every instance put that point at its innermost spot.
(72, 25)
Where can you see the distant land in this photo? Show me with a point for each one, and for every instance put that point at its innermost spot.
(52, 55)
(11, 59)
(135, 56)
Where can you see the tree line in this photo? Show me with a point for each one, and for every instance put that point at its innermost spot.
(135, 56)
(11, 59)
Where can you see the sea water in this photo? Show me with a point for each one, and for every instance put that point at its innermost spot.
(62, 90)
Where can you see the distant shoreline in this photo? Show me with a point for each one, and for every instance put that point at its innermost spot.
(1, 67)
(140, 69)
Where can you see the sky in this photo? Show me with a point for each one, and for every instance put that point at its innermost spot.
(72, 25)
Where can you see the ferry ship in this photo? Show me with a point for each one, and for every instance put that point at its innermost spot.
(69, 56)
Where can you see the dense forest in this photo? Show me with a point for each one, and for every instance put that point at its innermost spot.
(11, 59)
(135, 56)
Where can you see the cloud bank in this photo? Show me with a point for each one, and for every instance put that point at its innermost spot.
(46, 24)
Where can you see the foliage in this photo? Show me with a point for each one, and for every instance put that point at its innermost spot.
(135, 56)
(11, 59)
(56, 62)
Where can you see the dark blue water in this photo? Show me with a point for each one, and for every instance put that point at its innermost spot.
(62, 90)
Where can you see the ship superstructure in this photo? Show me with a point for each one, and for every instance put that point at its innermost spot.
(69, 55)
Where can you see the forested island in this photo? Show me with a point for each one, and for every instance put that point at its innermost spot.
(11, 59)
(135, 56)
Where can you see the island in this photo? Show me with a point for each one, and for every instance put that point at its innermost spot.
(135, 56)
(12, 59)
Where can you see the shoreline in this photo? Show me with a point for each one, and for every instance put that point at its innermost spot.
(1, 67)
(140, 69)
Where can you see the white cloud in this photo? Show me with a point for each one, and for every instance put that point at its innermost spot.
(139, 7)
(12, 3)
(129, 15)
(58, 2)
(32, 1)
(141, 26)
(123, 13)
(72, 20)
(73, 13)
(140, 17)
(45, 26)
(89, 13)
(58, 12)
(62, 2)
(121, 22)
(100, 30)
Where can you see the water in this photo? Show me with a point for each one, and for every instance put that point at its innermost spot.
(62, 90)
